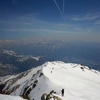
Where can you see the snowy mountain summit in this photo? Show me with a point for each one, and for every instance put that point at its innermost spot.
(47, 81)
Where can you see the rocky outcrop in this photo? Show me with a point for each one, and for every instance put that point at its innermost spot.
(9, 91)
(43, 97)
(56, 98)
(50, 96)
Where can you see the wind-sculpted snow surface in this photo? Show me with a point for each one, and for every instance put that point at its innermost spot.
(78, 81)
(7, 97)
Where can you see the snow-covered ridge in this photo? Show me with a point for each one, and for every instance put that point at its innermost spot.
(7, 97)
(9, 52)
(21, 58)
(79, 82)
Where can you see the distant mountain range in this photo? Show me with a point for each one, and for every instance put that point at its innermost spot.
(18, 56)
(74, 51)
(11, 63)
(46, 82)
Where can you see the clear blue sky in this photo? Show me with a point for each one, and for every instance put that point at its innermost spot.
(50, 19)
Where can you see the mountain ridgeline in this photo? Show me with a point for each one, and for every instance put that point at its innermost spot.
(74, 52)
(12, 63)
(47, 81)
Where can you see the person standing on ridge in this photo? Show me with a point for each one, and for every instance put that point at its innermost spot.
(62, 92)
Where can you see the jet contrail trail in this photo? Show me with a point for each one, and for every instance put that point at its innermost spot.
(59, 9)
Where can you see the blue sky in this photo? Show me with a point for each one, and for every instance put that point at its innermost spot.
(50, 19)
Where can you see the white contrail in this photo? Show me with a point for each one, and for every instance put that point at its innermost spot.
(59, 9)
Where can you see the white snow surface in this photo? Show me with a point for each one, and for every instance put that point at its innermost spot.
(8, 97)
(79, 81)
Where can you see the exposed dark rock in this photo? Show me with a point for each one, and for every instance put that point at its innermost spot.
(49, 96)
(40, 74)
(43, 97)
(9, 91)
(82, 68)
(1, 88)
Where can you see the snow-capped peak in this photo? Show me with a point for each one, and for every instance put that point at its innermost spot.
(9, 52)
(78, 81)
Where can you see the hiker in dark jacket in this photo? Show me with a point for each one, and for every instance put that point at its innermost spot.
(62, 92)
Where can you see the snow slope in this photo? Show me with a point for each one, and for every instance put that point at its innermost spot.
(79, 81)
(7, 97)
